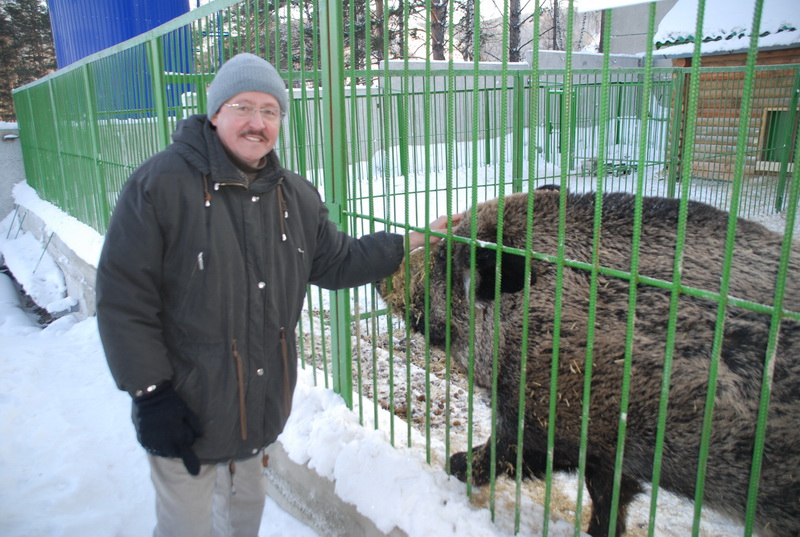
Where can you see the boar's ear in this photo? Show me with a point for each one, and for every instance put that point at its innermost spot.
(512, 273)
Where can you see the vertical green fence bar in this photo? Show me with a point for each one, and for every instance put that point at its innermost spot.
(673, 149)
(790, 120)
(335, 165)
(403, 115)
(155, 57)
(385, 146)
(716, 352)
(564, 140)
(633, 293)
(450, 161)
(592, 314)
(426, 107)
(686, 167)
(777, 315)
(102, 204)
(531, 176)
(57, 188)
(473, 249)
(518, 131)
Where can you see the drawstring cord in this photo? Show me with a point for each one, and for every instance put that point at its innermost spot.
(206, 193)
(240, 379)
(232, 470)
(283, 208)
(287, 397)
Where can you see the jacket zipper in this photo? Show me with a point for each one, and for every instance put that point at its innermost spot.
(240, 380)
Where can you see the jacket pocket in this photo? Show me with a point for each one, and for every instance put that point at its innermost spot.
(198, 266)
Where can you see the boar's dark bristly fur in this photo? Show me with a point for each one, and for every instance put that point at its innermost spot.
(739, 379)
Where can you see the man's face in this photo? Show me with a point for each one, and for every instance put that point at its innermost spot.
(248, 137)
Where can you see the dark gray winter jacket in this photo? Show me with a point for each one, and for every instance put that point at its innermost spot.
(202, 278)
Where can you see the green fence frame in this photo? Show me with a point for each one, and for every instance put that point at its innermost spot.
(490, 129)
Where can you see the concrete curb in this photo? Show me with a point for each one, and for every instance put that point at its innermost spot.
(311, 498)
(79, 275)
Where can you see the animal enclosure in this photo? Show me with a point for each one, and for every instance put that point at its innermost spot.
(393, 138)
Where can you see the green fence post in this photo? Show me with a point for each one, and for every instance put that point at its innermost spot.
(299, 130)
(94, 135)
(335, 166)
(402, 126)
(155, 61)
(487, 127)
(29, 140)
(678, 88)
(573, 130)
(62, 198)
(793, 101)
(548, 125)
(519, 132)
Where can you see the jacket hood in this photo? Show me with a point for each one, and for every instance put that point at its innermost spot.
(196, 140)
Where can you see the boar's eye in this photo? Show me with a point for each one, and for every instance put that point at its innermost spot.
(512, 273)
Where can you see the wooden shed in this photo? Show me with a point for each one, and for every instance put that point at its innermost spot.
(773, 121)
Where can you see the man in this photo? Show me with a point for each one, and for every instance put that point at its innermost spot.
(199, 288)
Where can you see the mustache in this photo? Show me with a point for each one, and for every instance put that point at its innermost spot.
(254, 133)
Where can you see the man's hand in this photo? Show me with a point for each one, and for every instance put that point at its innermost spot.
(166, 426)
(417, 239)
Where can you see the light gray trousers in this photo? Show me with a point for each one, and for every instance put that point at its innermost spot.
(222, 501)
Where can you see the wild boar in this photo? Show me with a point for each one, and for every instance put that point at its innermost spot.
(740, 373)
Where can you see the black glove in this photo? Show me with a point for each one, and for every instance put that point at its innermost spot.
(166, 426)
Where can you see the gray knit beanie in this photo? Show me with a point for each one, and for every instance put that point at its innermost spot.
(245, 72)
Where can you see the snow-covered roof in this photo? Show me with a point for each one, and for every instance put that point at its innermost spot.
(727, 26)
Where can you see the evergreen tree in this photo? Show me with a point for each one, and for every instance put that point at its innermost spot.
(26, 48)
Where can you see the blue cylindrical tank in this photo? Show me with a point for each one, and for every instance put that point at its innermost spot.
(83, 27)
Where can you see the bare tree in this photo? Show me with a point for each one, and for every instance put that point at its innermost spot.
(438, 28)
(556, 28)
(355, 26)
(517, 22)
(514, 15)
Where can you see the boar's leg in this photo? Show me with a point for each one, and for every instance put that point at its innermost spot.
(481, 462)
(600, 483)
(505, 438)
(480, 465)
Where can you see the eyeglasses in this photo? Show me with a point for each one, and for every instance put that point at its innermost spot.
(270, 115)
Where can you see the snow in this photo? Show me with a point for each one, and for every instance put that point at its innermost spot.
(597, 5)
(728, 26)
(79, 237)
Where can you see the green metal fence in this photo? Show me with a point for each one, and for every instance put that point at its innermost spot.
(393, 139)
